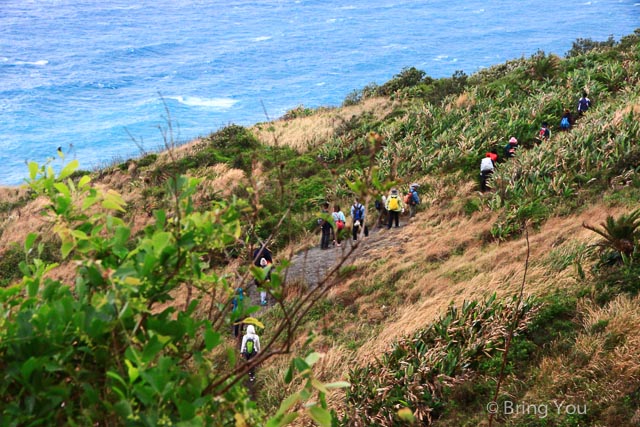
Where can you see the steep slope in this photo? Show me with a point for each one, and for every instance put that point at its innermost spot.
(402, 287)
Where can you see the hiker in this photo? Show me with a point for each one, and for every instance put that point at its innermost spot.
(566, 121)
(544, 133)
(262, 252)
(412, 199)
(510, 148)
(487, 166)
(583, 104)
(493, 155)
(263, 293)
(394, 206)
(340, 220)
(250, 347)
(325, 226)
(236, 312)
(382, 211)
(262, 257)
(358, 215)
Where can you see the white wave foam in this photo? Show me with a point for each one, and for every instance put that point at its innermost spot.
(262, 38)
(39, 63)
(194, 101)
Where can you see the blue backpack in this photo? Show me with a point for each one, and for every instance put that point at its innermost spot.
(564, 123)
(415, 198)
(358, 213)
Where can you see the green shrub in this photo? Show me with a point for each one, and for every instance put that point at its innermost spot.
(147, 160)
(584, 45)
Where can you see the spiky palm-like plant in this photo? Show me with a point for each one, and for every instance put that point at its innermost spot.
(619, 234)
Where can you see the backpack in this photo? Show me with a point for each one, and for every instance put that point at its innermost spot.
(250, 347)
(378, 205)
(407, 199)
(358, 213)
(394, 203)
(564, 123)
(340, 224)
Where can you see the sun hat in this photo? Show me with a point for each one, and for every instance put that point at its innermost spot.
(513, 140)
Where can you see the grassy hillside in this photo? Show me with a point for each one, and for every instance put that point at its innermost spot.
(419, 321)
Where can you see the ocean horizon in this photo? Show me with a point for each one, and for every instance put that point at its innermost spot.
(98, 78)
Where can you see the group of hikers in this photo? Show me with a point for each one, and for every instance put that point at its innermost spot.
(333, 230)
(333, 224)
(250, 345)
(488, 163)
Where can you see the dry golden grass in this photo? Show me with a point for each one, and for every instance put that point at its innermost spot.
(30, 219)
(432, 275)
(605, 363)
(304, 132)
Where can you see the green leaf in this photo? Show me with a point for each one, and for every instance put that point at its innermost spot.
(287, 404)
(28, 367)
(111, 205)
(29, 241)
(318, 386)
(69, 169)
(320, 416)
(123, 408)
(211, 339)
(312, 358)
(338, 384)
(66, 248)
(283, 420)
(132, 371)
(63, 189)
(33, 170)
(84, 181)
(288, 377)
(300, 364)
(160, 241)
(117, 377)
(405, 414)
(88, 202)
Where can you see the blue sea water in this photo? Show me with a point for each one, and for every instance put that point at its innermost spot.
(88, 75)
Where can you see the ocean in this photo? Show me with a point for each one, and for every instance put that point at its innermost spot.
(103, 79)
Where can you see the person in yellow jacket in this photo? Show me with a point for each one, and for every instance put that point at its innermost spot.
(394, 205)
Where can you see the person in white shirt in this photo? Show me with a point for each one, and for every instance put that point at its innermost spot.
(250, 347)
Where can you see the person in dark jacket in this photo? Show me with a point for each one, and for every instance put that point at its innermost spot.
(262, 252)
(583, 104)
(566, 121)
(325, 226)
(510, 148)
(358, 212)
(413, 199)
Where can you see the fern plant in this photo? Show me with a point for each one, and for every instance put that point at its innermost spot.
(619, 234)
